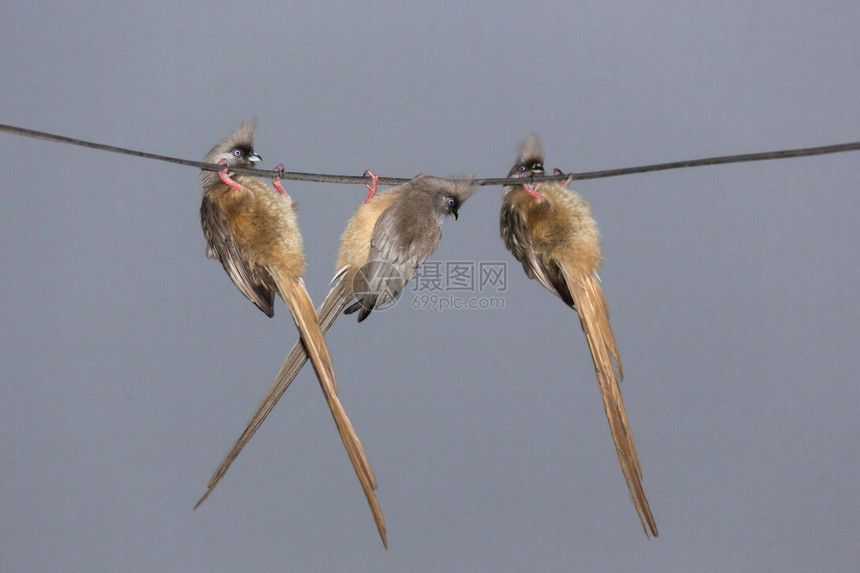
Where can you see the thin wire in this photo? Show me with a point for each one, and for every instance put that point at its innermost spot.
(102, 147)
(353, 179)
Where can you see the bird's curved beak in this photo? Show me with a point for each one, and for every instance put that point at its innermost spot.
(454, 214)
(254, 158)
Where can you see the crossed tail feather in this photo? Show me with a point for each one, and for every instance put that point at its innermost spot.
(310, 343)
(302, 309)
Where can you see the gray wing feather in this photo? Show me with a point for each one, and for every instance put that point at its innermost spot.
(221, 245)
(404, 236)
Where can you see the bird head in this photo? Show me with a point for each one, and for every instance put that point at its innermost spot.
(530, 159)
(237, 149)
(452, 194)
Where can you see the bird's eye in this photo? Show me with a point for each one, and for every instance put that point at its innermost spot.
(521, 168)
(237, 153)
(451, 202)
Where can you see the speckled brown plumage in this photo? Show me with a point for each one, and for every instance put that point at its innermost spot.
(350, 280)
(550, 231)
(253, 230)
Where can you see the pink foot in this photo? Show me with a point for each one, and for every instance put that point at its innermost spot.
(531, 191)
(567, 178)
(372, 187)
(224, 174)
(276, 181)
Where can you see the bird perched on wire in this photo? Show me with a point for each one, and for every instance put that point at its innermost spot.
(549, 229)
(252, 230)
(386, 239)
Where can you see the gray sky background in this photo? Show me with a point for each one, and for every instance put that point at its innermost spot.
(129, 362)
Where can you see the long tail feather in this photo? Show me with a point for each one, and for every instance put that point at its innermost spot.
(594, 318)
(327, 313)
(302, 309)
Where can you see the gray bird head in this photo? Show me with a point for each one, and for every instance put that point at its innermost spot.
(530, 159)
(236, 150)
(450, 194)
